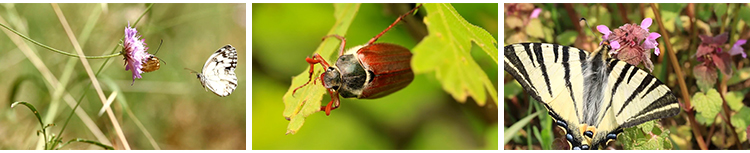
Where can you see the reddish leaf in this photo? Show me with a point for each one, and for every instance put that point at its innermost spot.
(724, 62)
(705, 76)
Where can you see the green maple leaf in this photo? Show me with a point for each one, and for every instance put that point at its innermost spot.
(306, 100)
(446, 50)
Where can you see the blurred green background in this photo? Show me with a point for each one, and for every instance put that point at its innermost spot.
(420, 116)
(170, 102)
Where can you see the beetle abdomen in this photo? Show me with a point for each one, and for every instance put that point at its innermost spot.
(388, 67)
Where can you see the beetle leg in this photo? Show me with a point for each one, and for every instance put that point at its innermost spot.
(343, 42)
(334, 101)
(391, 26)
(316, 59)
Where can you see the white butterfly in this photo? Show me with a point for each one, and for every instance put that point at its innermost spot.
(218, 72)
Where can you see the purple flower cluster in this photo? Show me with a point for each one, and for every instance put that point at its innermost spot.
(713, 57)
(632, 42)
(135, 52)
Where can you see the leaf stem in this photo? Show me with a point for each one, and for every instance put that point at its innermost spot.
(38, 117)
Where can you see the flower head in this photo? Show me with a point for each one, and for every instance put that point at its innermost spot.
(713, 58)
(737, 49)
(134, 51)
(632, 42)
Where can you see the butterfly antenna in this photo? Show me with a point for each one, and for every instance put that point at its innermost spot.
(583, 21)
(192, 71)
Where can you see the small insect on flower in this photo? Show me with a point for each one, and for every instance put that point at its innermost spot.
(368, 71)
(134, 52)
(152, 62)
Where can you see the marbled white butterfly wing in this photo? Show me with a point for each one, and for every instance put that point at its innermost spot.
(217, 74)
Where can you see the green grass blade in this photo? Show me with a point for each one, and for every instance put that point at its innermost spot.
(513, 129)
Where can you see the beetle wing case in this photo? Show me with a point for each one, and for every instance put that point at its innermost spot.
(389, 69)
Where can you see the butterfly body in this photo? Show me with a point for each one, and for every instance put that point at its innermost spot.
(591, 97)
(218, 74)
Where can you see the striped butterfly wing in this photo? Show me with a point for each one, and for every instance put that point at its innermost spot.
(632, 96)
(637, 96)
(551, 74)
(590, 97)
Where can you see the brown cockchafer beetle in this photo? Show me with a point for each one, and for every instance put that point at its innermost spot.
(368, 71)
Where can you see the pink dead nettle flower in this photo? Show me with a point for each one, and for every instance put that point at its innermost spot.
(712, 55)
(535, 13)
(632, 42)
(134, 51)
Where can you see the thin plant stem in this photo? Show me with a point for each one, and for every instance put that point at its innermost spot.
(680, 79)
(726, 111)
(53, 49)
(143, 128)
(52, 82)
(90, 72)
(148, 8)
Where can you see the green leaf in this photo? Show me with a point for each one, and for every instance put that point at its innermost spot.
(705, 15)
(307, 99)
(741, 120)
(703, 120)
(567, 38)
(708, 104)
(511, 89)
(534, 28)
(538, 135)
(720, 9)
(547, 135)
(490, 136)
(513, 129)
(647, 136)
(446, 50)
(647, 126)
(744, 14)
(734, 100)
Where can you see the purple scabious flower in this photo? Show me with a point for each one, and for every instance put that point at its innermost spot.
(134, 51)
(632, 42)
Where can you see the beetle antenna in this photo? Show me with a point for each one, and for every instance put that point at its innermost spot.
(157, 49)
(393, 24)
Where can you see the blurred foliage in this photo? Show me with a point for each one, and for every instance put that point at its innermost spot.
(420, 116)
(170, 104)
(446, 51)
(720, 113)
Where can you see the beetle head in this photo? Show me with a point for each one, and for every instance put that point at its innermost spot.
(332, 78)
